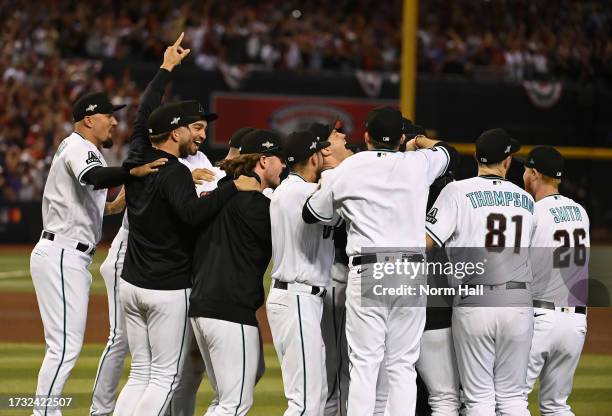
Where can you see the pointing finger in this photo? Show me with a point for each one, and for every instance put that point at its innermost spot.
(179, 40)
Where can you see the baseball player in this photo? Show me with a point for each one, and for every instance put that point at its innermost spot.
(113, 356)
(302, 258)
(231, 257)
(156, 279)
(560, 263)
(491, 329)
(73, 205)
(359, 191)
(437, 365)
(333, 318)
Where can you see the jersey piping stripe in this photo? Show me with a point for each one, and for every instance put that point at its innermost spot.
(178, 362)
(312, 211)
(87, 169)
(112, 343)
(303, 353)
(447, 159)
(434, 237)
(64, 331)
(243, 370)
(333, 305)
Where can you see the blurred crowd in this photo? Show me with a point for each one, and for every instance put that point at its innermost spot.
(50, 52)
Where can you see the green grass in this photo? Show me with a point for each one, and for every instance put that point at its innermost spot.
(19, 363)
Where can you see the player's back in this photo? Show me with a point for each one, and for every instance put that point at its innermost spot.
(561, 241)
(300, 252)
(492, 219)
(382, 195)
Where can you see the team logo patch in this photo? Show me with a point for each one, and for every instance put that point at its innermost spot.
(91, 107)
(267, 144)
(175, 120)
(431, 216)
(508, 148)
(92, 158)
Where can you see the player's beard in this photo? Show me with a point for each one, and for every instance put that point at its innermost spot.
(184, 149)
(107, 144)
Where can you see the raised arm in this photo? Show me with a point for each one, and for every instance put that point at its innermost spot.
(152, 96)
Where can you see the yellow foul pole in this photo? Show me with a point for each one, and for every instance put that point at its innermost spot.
(409, 57)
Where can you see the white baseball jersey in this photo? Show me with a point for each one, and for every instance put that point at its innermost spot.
(301, 252)
(560, 222)
(382, 195)
(200, 161)
(490, 212)
(70, 207)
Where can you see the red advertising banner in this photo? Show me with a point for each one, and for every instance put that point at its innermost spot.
(287, 113)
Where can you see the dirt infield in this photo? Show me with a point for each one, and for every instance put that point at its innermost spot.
(20, 321)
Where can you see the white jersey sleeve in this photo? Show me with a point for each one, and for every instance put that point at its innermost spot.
(82, 157)
(321, 203)
(437, 160)
(443, 216)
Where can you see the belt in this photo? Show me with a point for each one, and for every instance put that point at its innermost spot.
(372, 258)
(47, 235)
(549, 305)
(508, 285)
(316, 290)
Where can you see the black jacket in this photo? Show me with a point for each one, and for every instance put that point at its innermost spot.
(163, 208)
(230, 259)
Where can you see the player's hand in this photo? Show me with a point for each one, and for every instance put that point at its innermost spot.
(247, 183)
(174, 54)
(411, 145)
(202, 175)
(149, 168)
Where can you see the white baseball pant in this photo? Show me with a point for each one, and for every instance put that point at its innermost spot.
(295, 322)
(117, 348)
(334, 337)
(381, 336)
(157, 328)
(437, 367)
(231, 355)
(492, 347)
(558, 338)
(61, 280)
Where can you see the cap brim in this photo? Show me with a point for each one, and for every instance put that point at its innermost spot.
(118, 107)
(515, 146)
(520, 159)
(210, 117)
(322, 145)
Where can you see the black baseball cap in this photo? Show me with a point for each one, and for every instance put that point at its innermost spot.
(194, 107)
(546, 160)
(238, 135)
(322, 131)
(300, 145)
(495, 145)
(265, 142)
(385, 125)
(172, 116)
(94, 103)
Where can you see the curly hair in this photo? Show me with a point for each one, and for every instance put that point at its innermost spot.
(239, 165)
